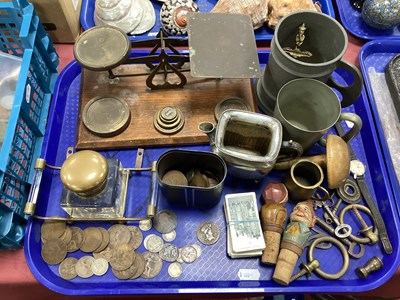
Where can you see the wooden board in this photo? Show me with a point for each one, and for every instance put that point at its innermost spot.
(197, 100)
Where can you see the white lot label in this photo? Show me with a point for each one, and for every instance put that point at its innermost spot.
(249, 274)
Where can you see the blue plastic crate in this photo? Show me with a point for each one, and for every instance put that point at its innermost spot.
(22, 34)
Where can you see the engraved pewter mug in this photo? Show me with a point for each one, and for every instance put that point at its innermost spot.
(318, 43)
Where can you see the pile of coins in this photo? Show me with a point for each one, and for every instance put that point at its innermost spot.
(116, 248)
(198, 178)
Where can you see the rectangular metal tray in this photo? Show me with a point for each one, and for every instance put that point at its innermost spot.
(262, 34)
(353, 22)
(213, 272)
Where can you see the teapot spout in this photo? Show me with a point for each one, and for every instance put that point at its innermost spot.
(209, 129)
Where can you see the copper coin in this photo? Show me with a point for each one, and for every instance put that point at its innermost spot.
(106, 254)
(105, 239)
(153, 265)
(136, 237)
(128, 273)
(51, 230)
(119, 234)
(54, 251)
(84, 266)
(199, 179)
(140, 263)
(92, 239)
(122, 257)
(67, 268)
(165, 221)
(175, 177)
(76, 239)
(67, 235)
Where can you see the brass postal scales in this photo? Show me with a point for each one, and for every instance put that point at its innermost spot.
(118, 108)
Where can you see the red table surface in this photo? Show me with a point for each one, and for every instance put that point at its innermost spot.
(17, 282)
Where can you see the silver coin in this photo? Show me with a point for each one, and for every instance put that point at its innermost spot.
(169, 252)
(208, 233)
(170, 236)
(165, 221)
(83, 267)
(153, 243)
(198, 250)
(175, 270)
(145, 225)
(179, 259)
(189, 254)
(99, 266)
(153, 265)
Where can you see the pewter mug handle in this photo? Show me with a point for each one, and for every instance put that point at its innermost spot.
(351, 92)
(348, 136)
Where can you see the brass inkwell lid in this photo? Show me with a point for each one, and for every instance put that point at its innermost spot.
(85, 173)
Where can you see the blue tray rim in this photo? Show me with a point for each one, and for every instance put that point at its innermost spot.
(261, 37)
(200, 288)
(365, 51)
(359, 34)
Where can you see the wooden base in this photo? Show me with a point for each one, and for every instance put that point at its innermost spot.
(196, 100)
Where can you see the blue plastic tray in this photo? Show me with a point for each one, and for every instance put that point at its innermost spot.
(353, 22)
(262, 34)
(377, 54)
(214, 271)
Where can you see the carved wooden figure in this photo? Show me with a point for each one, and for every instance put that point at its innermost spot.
(273, 217)
(294, 238)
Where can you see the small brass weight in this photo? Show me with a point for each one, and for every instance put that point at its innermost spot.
(374, 264)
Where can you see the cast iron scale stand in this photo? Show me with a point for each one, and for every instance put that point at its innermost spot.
(116, 48)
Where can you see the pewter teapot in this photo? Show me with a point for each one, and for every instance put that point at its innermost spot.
(248, 142)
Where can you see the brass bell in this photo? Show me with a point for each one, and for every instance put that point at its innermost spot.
(85, 173)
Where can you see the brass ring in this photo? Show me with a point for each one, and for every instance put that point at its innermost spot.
(352, 237)
(342, 249)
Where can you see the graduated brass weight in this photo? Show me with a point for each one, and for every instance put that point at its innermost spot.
(372, 265)
(300, 37)
(169, 120)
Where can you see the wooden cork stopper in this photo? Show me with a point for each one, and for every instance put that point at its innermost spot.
(272, 241)
(284, 268)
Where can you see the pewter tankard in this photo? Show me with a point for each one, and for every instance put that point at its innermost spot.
(312, 33)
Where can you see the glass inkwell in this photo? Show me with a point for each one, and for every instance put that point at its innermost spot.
(93, 186)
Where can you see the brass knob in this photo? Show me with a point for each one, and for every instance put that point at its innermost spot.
(85, 173)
